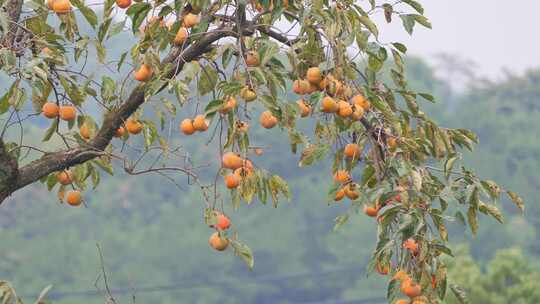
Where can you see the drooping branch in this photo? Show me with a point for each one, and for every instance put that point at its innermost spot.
(57, 161)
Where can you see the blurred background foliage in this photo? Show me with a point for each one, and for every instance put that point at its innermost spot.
(154, 240)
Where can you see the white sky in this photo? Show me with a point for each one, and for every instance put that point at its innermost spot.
(495, 34)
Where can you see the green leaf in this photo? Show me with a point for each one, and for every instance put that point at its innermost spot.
(460, 294)
(104, 164)
(312, 154)
(427, 97)
(117, 28)
(340, 221)
(422, 20)
(408, 22)
(150, 133)
(227, 55)
(213, 106)
(374, 63)
(72, 90)
(448, 165)
(101, 51)
(108, 88)
(138, 12)
(414, 4)
(244, 252)
(400, 47)
(473, 219)
(51, 181)
(50, 131)
(208, 80)
(369, 25)
(88, 14)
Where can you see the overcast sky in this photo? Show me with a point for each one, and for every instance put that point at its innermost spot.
(495, 34)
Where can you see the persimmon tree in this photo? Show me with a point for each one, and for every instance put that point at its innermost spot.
(231, 67)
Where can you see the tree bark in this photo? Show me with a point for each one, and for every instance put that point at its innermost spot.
(13, 9)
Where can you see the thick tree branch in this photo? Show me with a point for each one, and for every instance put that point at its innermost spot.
(13, 9)
(94, 148)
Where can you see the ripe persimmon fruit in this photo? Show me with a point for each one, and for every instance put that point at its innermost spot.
(144, 73)
(259, 151)
(65, 177)
(347, 92)
(252, 59)
(222, 222)
(329, 105)
(73, 197)
(181, 36)
(340, 194)
(300, 86)
(382, 268)
(123, 3)
(268, 120)
(400, 276)
(243, 172)
(217, 242)
(360, 101)
(61, 6)
(411, 289)
(229, 104)
(352, 150)
(231, 180)
(187, 127)
(411, 245)
(402, 301)
(305, 109)
(358, 113)
(119, 132)
(342, 176)
(231, 160)
(392, 143)
(67, 113)
(84, 131)
(344, 109)
(371, 211)
(190, 20)
(313, 88)
(199, 123)
(50, 110)
(313, 75)
(133, 126)
(351, 191)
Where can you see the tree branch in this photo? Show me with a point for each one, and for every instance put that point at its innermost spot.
(13, 9)
(57, 161)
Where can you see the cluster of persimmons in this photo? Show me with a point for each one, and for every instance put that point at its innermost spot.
(339, 99)
(222, 223)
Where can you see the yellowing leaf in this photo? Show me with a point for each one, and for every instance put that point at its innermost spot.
(516, 199)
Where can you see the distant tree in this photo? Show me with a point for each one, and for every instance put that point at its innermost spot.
(233, 61)
(508, 278)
